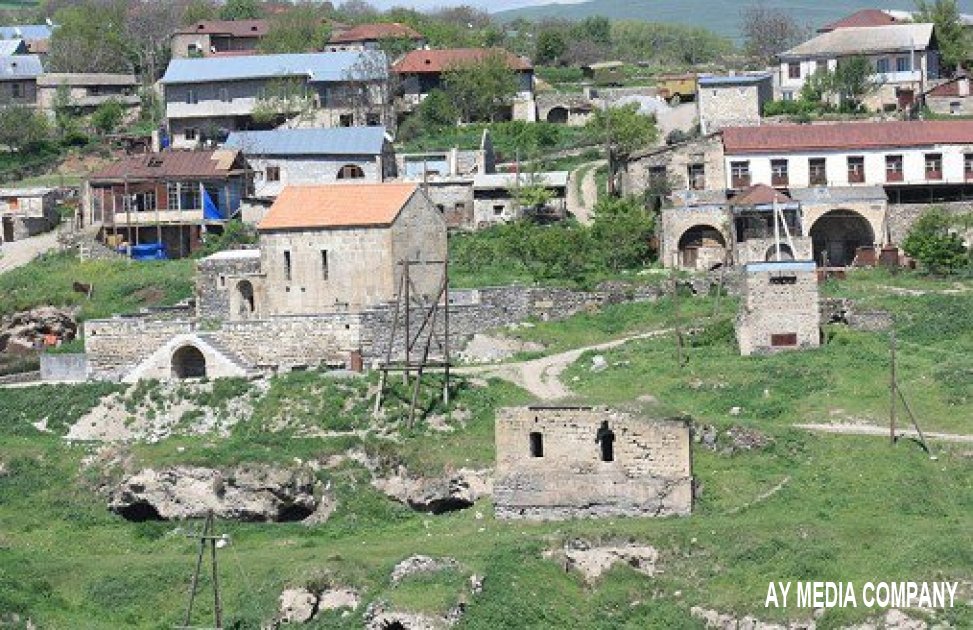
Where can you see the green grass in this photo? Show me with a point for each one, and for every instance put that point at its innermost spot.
(533, 140)
(120, 286)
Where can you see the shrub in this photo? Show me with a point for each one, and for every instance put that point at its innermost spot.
(932, 242)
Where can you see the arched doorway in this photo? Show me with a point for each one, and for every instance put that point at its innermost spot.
(188, 362)
(351, 171)
(785, 253)
(557, 115)
(246, 305)
(701, 246)
(837, 234)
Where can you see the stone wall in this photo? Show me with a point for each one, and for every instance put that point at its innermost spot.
(64, 367)
(674, 161)
(901, 216)
(676, 221)
(311, 170)
(217, 278)
(550, 465)
(732, 105)
(115, 346)
(780, 299)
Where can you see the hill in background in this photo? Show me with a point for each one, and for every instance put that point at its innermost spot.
(720, 16)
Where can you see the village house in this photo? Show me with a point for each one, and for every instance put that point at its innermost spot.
(208, 98)
(25, 212)
(173, 197)
(372, 36)
(18, 79)
(557, 463)
(732, 101)
(780, 309)
(36, 37)
(85, 92)
(421, 71)
(905, 58)
(211, 38)
(495, 197)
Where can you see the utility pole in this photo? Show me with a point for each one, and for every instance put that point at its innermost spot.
(892, 387)
(676, 319)
(208, 535)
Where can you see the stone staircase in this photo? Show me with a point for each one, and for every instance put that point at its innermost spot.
(213, 341)
(85, 242)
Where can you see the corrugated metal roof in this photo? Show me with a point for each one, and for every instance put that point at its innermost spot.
(337, 206)
(26, 31)
(552, 179)
(740, 79)
(12, 47)
(236, 28)
(193, 165)
(863, 40)
(863, 18)
(20, 66)
(376, 31)
(317, 67)
(847, 136)
(423, 61)
(337, 141)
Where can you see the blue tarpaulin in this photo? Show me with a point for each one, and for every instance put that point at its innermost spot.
(210, 211)
(149, 251)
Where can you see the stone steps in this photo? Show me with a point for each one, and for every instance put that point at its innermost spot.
(231, 356)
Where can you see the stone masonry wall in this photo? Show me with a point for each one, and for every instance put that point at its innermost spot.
(650, 473)
(901, 216)
(214, 283)
(778, 301)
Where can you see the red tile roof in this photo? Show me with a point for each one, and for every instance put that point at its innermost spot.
(236, 28)
(759, 195)
(380, 30)
(846, 136)
(419, 61)
(337, 206)
(865, 17)
(196, 165)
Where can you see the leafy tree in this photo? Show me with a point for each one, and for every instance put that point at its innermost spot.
(302, 28)
(90, 38)
(623, 128)
(767, 32)
(955, 45)
(199, 10)
(551, 46)
(667, 44)
(597, 29)
(241, 10)
(932, 242)
(852, 81)
(437, 110)
(622, 232)
(108, 117)
(23, 128)
(281, 98)
(481, 89)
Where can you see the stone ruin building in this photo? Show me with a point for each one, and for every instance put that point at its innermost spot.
(780, 308)
(569, 462)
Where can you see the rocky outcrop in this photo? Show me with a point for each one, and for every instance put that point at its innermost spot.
(421, 564)
(247, 493)
(378, 617)
(592, 561)
(24, 331)
(437, 495)
(302, 605)
(720, 621)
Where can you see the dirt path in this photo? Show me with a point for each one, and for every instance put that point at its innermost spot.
(542, 377)
(583, 196)
(19, 253)
(872, 430)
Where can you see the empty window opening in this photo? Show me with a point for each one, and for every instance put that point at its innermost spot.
(351, 171)
(783, 280)
(324, 264)
(287, 266)
(783, 340)
(536, 444)
(247, 306)
(606, 438)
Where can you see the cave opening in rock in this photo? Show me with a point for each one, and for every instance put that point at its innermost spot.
(292, 512)
(139, 512)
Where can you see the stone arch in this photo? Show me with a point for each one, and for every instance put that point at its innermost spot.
(786, 253)
(351, 171)
(246, 305)
(558, 115)
(701, 246)
(188, 362)
(836, 234)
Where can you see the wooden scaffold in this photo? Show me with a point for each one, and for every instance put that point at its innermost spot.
(416, 344)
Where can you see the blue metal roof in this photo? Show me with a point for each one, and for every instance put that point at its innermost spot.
(26, 31)
(337, 141)
(782, 265)
(317, 67)
(20, 67)
(12, 47)
(741, 79)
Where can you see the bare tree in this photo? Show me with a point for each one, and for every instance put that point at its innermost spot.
(148, 27)
(767, 32)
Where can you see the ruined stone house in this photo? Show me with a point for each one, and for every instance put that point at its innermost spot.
(575, 462)
(25, 212)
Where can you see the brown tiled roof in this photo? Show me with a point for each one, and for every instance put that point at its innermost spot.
(236, 28)
(846, 136)
(337, 206)
(759, 195)
(419, 61)
(379, 30)
(865, 17)
(170, 165)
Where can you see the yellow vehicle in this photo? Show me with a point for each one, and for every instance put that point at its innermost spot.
(677, 88)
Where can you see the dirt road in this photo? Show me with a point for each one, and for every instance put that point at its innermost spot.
(19, 253)
(864, 429)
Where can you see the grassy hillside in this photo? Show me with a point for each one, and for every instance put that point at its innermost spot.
(804, 507)
(720, 16)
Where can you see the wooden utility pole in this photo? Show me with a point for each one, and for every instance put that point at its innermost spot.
(676, 318)
(892, 387)
(208, 535)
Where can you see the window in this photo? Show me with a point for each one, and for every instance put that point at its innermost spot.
(373, 120)
(536, 444)
(346, 120)
(902, 64)
(657, 175)
(497, 211)
(324, 264)
(893, 168)
(697, 176)
(968, 165)
(787, 96)
(934, 166)
(225, 95)
(272, 174)
(856, 169)
(783, 340)
(778, 173)
(794, 70)
(191, 97)
(287, 266)
(190, 133)
(606, 438)
(882, 66)
(740, 174)
(816, 173)
(351, 171)
(16, 90)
